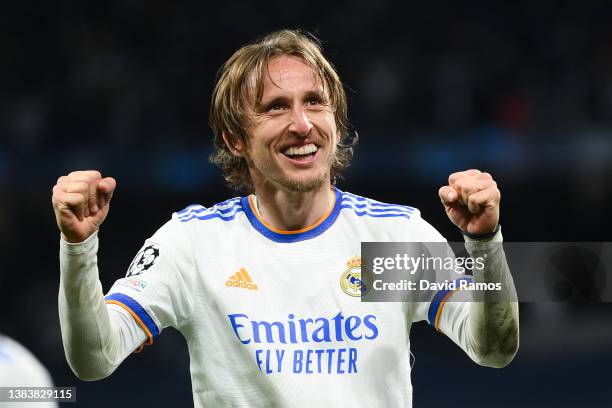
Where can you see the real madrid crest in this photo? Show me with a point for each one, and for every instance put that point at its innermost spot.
(350, 282)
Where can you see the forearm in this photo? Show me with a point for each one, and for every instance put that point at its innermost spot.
(485, 325)
(95, 340)
(493, 322)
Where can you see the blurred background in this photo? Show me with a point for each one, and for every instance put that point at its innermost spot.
(522, 89)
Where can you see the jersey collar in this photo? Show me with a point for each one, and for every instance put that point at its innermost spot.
(283, 236)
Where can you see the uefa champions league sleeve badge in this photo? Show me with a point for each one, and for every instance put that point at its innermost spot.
(143, 260)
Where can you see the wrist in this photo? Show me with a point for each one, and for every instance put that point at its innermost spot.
(483, 236)
(77, 248)
(75, 238)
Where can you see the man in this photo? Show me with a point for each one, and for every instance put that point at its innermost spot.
(255, 283)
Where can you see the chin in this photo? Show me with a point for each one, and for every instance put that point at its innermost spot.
(304, 184)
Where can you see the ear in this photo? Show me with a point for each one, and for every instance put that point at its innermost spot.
(235, 144)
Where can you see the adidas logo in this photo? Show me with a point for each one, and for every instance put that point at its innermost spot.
(241, 279)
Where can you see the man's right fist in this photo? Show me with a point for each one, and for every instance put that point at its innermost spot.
(81, 201)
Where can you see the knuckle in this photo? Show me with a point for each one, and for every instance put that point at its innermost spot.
(460, 183)
(71, 179)
(83, 175)
(489, 186)
(91, 176)
(475, 201)
(453, 177)
(76, 186)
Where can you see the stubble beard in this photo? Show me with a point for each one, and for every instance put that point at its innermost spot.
(298, 185)
(304, 186)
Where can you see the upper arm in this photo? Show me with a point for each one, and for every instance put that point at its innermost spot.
(155, 291)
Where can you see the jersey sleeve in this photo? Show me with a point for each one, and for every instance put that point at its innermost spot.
(468, 323)
(428, 304)
(155, 290)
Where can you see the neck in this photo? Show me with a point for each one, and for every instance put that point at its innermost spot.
(292, 210)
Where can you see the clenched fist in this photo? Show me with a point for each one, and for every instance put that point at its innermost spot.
(471, 200)
(81, 202)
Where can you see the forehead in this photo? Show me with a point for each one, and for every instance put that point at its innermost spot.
(288, 73)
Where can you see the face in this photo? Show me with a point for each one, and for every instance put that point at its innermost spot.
(293, 141)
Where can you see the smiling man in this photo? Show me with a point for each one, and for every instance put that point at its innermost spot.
(265, 287)
(291, 145)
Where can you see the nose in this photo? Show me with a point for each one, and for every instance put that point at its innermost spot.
(300, 122)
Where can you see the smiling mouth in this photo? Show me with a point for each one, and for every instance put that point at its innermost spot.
(302, 153)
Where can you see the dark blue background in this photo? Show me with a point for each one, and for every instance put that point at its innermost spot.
(521, 89)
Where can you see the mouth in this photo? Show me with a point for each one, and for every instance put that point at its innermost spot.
(302, 154)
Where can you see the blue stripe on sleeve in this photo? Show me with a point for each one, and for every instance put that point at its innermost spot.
(208, 216)
(377, 215)
(351, 204)
(138, 309)
(436, 302)
(358, 199)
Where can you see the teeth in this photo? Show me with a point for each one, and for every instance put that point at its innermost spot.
(300, 151)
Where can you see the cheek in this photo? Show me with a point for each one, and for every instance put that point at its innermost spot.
(263, 138)
(270, 130)
(326, 125)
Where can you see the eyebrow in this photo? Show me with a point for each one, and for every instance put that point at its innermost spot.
(262, 105)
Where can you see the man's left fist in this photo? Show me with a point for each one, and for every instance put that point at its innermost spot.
(471, 201)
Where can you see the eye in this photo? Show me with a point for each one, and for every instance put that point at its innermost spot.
(313, 101)
(276, 107)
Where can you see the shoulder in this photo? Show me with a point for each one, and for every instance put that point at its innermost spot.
(225, 211)
(367, 207)
(197, 222)
(403, 220)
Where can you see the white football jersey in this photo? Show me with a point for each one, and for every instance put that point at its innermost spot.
(19, 368)
(274, 318)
